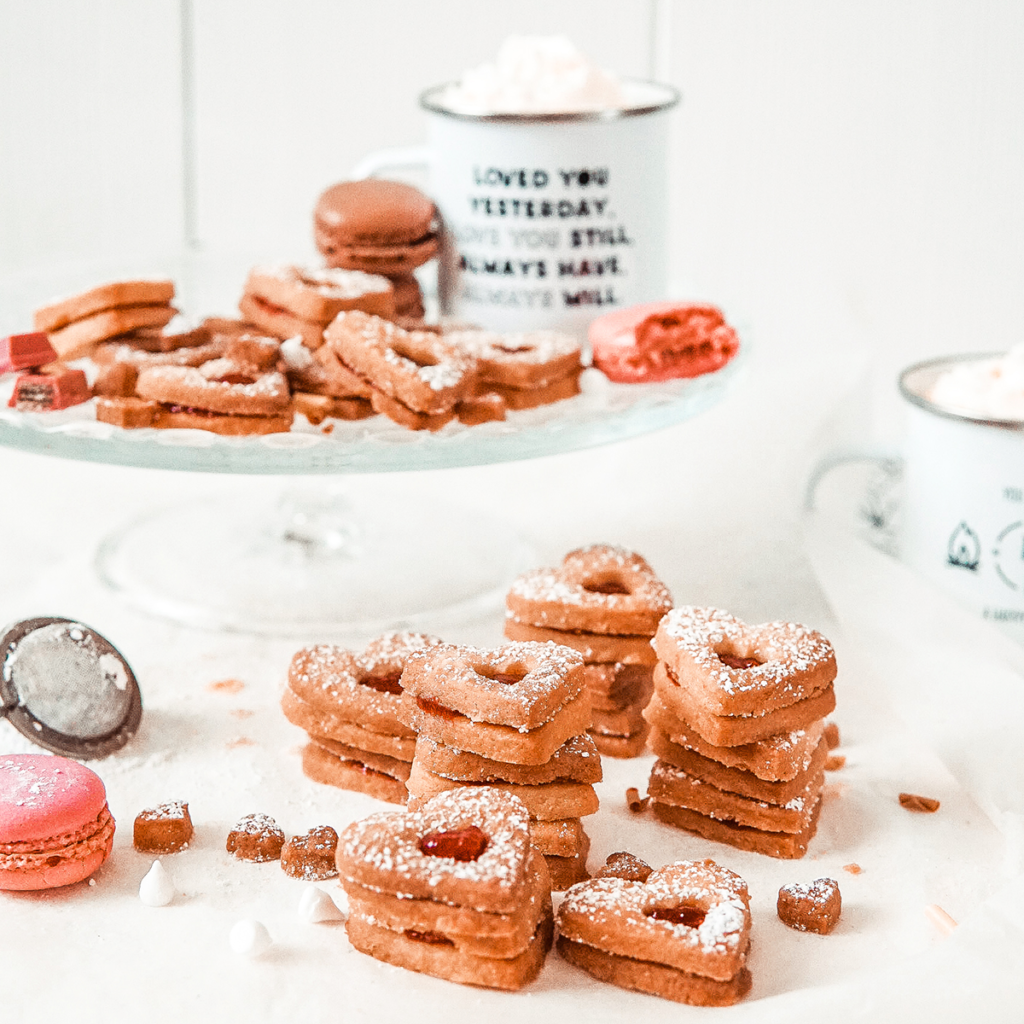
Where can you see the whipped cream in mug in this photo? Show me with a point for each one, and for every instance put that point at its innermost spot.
(535, 75)
(984, 388)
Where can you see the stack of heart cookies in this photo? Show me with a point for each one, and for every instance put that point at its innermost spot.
(681, 932)
(454, 889)
(514, 718)
(348, 704)
(738, 725)
(605, 602)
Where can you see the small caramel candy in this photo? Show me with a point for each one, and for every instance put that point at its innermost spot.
(166, 828)
(811, 908)
(256, 837)
(311, 856)
(921, 804)
(626, 866)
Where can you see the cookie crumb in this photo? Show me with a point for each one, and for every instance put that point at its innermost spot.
(940, 918)
(226, 686)
(834, 762)
(831, 735)
(921, 804)
(635, 802)
(853, 869)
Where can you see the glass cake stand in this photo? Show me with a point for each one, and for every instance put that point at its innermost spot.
(320, 560)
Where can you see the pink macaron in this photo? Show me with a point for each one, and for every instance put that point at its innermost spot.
(55, 826)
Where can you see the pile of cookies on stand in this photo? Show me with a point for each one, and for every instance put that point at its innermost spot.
(344, 341)
(496, 752)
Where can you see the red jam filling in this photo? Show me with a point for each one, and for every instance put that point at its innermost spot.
(685, 914)
(389, 683)
(464, 844)
(735, 661)
(431, 707)
(431, 938)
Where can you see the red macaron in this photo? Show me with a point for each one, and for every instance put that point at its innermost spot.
(659, 341)
(55, 826)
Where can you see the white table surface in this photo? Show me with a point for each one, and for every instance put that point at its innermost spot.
(714, 504)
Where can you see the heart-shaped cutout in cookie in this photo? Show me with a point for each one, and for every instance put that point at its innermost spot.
(693, 916)
(597, 589)
(467, 847)
(737, 669)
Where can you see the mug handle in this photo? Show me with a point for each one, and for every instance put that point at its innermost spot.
(890, 463)
(394, 158)
(397, 158)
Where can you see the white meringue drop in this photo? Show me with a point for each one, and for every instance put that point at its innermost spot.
(315, 906)
(250, 938)
(156, 889)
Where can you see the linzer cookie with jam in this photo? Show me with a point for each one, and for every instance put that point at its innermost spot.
(348, 704)
(523, 370)
(517, 703)
(738, 728)
(682, 932)
(453, 889)
(415, 378)
(513, 719)
(605, 602)
(221, 396)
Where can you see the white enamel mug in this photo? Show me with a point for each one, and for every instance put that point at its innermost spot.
(961, 503)
(549, 219)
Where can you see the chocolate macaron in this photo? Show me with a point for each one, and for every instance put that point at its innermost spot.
(378, 226)
(55, 826)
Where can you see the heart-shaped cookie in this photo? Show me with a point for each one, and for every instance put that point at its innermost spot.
(420, 369)
(466, 847)
(522, 685)
(597, 589)
(364, 688)
(691, 915)
(734, 669)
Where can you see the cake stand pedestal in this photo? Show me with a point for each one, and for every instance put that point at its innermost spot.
(321, 562)
(324, 560)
